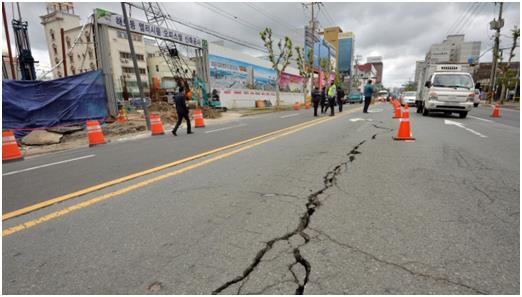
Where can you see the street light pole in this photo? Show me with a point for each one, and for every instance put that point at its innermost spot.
(135, 63)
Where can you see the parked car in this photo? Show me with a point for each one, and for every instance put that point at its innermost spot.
(355, 97)
(408, 98)
(476, 100)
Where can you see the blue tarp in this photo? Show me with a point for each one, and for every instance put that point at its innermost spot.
(39, 104)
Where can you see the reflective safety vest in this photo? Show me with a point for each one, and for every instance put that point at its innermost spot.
(331, 91)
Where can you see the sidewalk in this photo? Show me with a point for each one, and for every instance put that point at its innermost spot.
(508, 105)
(79, 139)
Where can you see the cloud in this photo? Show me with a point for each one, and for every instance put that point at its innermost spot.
(400, 32)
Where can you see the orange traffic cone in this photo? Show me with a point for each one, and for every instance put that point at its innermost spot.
(404, 132)
(397, 109)
(155, 124)
(198, 119)
(95, 133)
(307, 105)
(496, 111)
(10, 150)
(297, 106)
(121, 116)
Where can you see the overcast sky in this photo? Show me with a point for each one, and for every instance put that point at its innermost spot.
(400, 32)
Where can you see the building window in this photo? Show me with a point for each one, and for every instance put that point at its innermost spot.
(52, 34)
(123, 35)
(68, 41)
(157, 68)
(124, 55)
(55, 49)
(92, 66)
(130, 70)
(71, 58)
(89, 52)
(59, 74)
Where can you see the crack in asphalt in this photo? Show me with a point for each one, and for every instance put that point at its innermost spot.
(399, 266)
(312, 204)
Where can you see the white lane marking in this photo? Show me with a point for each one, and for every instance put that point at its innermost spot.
(490, 121)
(374, 110)
(225, 128)
(47, 165)
(289, 115)
(359, 119)
(448, 122)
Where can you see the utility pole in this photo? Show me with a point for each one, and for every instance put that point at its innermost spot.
(495, 25)
(6, 29)
(135, 63)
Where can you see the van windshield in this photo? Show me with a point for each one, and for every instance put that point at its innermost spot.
(453, 81)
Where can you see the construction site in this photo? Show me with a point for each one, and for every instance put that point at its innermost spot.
(94, 78)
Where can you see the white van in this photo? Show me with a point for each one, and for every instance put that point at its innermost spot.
(448, 90)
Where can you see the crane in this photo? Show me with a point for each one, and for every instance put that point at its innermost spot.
(23, 47)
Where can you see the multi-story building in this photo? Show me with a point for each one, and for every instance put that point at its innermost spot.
(454, 50)
(363, 73)
(345, 53)
(80, 49)
(6, 67)
(379, 67)
(343, 43)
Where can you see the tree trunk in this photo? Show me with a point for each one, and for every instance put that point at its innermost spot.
(277, 89)
(502, 94)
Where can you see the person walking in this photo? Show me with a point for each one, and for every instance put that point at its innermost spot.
(332, 94)
(368, 92)
(182, 111)
(323, 100)
(316, 98)
(340, 98)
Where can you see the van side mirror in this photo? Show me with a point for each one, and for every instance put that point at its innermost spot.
(428, 84)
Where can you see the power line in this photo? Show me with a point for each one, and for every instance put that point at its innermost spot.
(234, 18)
(469, 18)
(459, 19)
(325, 11)
(261, 11)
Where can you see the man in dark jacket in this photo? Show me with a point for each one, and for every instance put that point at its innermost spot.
(182, 110)
(368, 93)
(316, 98)
(340, 98)
(323, 100)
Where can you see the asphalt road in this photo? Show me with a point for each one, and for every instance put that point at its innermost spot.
(333, 207)
(28, 183)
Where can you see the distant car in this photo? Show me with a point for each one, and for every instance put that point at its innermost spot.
(139, 103)
(383, 96)
(476, 100)
(408, 98)
(355, 97)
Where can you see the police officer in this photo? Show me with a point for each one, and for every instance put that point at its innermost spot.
(340, 97)
(323, 100)
(182, 111)
(316, 98)
(332, 94)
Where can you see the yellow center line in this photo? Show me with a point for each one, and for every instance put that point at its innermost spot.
(87, 203)
(97, 187)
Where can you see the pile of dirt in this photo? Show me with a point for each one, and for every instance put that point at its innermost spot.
(210, 113)
(123, 128)
(162, 107)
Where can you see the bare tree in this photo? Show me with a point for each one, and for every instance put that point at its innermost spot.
(304, 67)
(282, 60)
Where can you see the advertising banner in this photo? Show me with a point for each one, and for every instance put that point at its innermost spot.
(115, 20)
